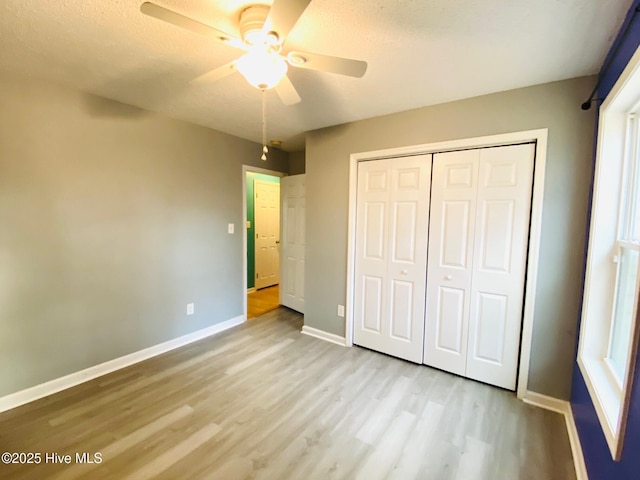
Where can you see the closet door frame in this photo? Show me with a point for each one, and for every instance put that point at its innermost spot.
(537, 136)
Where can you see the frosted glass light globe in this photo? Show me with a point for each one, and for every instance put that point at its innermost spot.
(262, 69)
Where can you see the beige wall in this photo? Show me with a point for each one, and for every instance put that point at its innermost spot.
(296, 163)
(112, 219)
(555, 106)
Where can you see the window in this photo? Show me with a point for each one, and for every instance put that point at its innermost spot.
(627, 254)
(608, 334)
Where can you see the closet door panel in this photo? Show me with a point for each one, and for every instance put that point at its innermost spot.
(453, 205)
(499, 263)
(450, 322)
(372, 289)
(391, 239)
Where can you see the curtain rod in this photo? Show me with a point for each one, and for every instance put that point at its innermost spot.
(587, 105)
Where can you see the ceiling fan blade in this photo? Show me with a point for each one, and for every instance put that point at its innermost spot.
(326, 63)
(283, 15)
(215, 75)
(287, 92)
(179, 20)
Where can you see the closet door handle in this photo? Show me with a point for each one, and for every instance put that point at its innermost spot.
(448, 277)
(404, 272)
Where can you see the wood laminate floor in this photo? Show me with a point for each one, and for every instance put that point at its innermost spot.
(263, 301)
(262, 401)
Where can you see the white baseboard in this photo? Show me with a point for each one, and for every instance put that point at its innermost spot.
(58, 384)
(322, 335)
(576, 447)
(563, 407)
(546, 402)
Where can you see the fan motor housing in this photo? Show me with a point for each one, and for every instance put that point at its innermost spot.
(251, 22)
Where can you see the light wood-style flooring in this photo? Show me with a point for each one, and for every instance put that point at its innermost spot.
(262, 401)
(263, 301)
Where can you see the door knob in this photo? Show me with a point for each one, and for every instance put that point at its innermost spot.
(448, 277)
(404, 272)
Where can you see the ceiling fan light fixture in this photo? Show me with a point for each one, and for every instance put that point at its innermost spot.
(262, 69)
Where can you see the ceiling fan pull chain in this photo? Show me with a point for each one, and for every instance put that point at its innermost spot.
(264, 125)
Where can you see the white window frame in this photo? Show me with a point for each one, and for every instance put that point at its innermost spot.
(610, 395)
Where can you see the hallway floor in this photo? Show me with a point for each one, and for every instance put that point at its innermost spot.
(263, 301)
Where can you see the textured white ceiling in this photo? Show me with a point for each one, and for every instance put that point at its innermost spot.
(420, 52)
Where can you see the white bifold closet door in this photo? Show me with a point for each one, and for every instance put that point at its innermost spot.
(391, 256)
(480, 209)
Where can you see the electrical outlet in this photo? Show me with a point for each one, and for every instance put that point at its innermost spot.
(341, 310)
(191, 308)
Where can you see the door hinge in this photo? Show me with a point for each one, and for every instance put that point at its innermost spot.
(257, 275)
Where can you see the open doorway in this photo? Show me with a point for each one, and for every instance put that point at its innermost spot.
(262, 240)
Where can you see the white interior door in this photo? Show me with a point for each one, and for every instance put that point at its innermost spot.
(292, 190)
(449, 272)
(267, 227)
(391, 233)
(499, 263)
(477, 260)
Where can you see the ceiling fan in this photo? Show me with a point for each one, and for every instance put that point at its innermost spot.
(263, 31)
